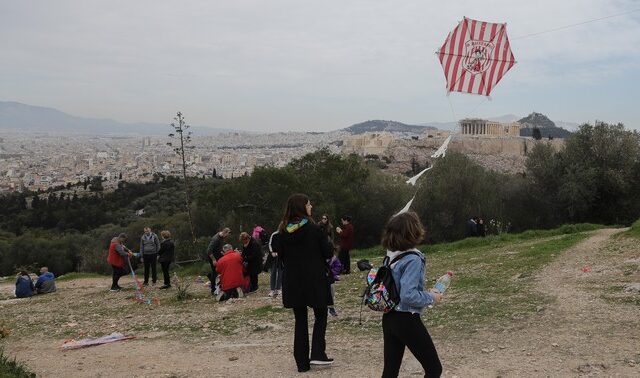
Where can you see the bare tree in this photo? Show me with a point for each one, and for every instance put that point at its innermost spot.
(183, 136)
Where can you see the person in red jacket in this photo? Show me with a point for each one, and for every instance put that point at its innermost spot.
(230, 268)
(346, 243)
(118, 254)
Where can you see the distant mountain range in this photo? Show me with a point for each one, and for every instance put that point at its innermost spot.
(23, 117)
(17, 116)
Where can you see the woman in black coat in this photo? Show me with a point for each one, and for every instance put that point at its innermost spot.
(252, 255)
(166, 255)
(304, 250)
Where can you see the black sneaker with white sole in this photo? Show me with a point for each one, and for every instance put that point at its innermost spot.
(321, 361)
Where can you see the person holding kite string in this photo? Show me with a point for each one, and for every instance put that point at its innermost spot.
(117, 255)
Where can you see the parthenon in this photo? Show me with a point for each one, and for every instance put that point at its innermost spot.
(483, 127)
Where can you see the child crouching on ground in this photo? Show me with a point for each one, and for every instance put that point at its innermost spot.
(335, 268)
(402, 326)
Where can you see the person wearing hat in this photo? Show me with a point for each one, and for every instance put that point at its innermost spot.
(117, 255)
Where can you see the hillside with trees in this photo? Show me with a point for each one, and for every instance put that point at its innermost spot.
(595, 178)
(377, 126)
(546, 127)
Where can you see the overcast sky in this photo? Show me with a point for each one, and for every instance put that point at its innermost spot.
(311, 65)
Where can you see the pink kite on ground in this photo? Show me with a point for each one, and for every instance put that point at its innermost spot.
(76, 344)
(475, 56)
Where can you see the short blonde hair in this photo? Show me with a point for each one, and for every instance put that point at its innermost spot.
(165, 234)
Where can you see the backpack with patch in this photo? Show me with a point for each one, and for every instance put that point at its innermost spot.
(381, 293)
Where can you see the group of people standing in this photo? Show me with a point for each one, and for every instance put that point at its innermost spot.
(305, 248)
(301, 255)
(152, 251)
(475, 227)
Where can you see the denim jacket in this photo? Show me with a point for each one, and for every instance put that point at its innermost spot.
(409, 277)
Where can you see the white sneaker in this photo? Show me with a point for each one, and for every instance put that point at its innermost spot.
(322, 361)
(240, 293)
(271, 294)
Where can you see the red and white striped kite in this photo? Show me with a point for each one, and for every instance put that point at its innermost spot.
(475, 56)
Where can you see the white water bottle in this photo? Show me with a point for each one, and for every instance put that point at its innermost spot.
(443, 283)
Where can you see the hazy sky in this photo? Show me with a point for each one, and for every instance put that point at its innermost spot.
(311, 65)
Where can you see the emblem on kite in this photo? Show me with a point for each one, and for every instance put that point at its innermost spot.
(475, 56)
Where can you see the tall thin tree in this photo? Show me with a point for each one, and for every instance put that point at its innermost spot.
(183, 137)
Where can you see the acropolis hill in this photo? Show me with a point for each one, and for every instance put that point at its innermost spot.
(493, 145)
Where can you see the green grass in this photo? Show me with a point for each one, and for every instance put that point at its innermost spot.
(493, 284)
(10, 368)
(268, 311)
(197, 268)
(493, 277)
(634, 230)
(491, 240)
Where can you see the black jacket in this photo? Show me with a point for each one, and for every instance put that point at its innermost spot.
(215, 247)
(304, 255)
(167, 251)
(252, 255)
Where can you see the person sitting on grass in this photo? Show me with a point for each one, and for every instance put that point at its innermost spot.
(24, 285)
(46, 282)
(230, 267)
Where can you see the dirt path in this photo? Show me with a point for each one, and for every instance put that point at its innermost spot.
(577, 334)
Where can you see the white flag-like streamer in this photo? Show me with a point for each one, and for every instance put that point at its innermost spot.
(441, 152)
(406, 207)
(415, 178)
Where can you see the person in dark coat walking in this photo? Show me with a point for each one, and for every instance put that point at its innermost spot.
(252, 255)
(166, 255)
(304, 250)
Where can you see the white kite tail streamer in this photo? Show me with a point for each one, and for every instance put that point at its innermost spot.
(440, 152)
(406, 207)
(415, 178)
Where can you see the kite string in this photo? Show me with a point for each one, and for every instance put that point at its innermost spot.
(576, 24)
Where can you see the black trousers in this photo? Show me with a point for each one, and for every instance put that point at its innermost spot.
(228, 294)
(150, 262)
(117, 273)
(212, 275)
(165, 272)
(402, 329)
(253, 282)
(345, 259)
(301, 335)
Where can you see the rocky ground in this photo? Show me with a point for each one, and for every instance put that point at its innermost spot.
(587, 326)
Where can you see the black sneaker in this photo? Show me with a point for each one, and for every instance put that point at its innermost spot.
(302, 369)
(165, 287)
(321, 361)
(332, 311)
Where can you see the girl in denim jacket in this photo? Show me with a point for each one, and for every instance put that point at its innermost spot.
(403, 326)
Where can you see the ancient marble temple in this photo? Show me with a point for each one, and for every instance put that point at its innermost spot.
(483, 127)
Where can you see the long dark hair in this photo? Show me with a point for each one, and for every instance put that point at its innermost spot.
(295, 210)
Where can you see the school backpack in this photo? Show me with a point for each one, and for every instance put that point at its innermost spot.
(381, 293)
(364, 265)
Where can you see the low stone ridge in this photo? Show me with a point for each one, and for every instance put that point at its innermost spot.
(377, 126)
